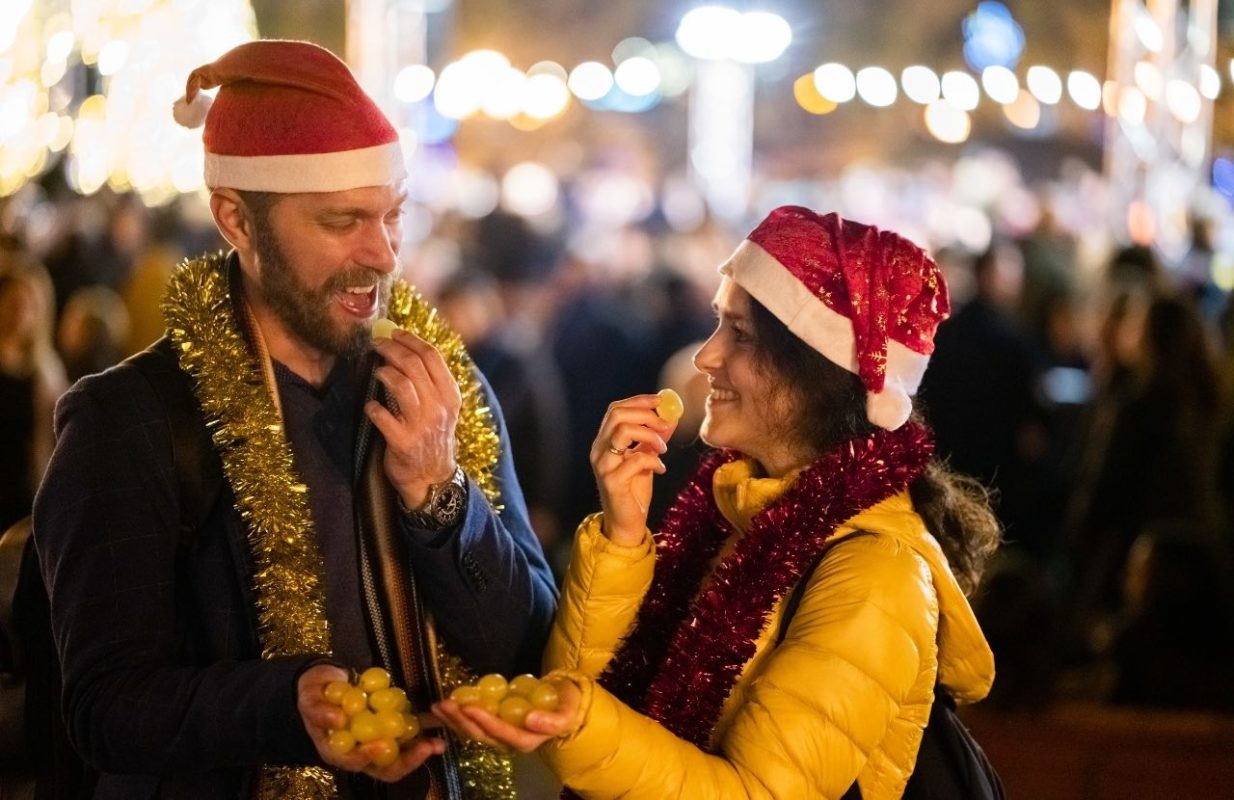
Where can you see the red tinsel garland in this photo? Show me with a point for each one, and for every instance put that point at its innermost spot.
(684, 656)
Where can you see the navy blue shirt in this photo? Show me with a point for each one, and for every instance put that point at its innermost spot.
(321, 428)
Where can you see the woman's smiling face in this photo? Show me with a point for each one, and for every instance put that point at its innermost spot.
(748, 409)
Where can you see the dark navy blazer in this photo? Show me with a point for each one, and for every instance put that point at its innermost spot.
(164, 690)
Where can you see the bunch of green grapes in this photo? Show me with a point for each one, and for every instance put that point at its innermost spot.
(511, 700)
(376, 712)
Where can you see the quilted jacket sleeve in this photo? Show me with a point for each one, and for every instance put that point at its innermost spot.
(603, 589)
(826, 699)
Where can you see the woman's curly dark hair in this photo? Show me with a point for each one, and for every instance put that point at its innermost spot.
(832, 402)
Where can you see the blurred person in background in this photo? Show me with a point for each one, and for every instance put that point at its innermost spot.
(1017, 595)
(1049, 268)
(528, 388)
(684, 446)
(685, 668)
(153, 267)
(979, 390)
(1153, 454)
(93, 333)
(31, 380)
(99, 240)
(1196, 271)
(592, 315)
(1173, 646)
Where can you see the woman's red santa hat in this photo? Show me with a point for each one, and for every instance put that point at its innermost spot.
(868, 300)
(289, 117)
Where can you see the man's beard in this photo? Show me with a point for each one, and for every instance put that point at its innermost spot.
(304, 310)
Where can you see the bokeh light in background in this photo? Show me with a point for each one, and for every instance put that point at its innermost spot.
(947, 123)
(1085, 90)
(1000, 84)
(921, 84)
(113, 129)
(960, 90)
(876, 86)
(719, 32)
(992, 37)
(835, 82)
(1045, 84)
(124, 137)
(529, 189)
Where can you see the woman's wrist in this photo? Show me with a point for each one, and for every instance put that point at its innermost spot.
(577, 687)
(623, 537)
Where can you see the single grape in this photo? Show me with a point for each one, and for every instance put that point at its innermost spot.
(390, 724)
(382, 752)
(523, 685)
(514, 709)
(492, 687)
(544, 697)
(465, 695)
(383, 329)
(374, 678)
(364, 727)
(411, 727)
(391, 698)
(669, 406)
(342, 742)
(335, 690)
(354, 701)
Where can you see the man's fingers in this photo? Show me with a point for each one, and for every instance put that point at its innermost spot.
(400, 388)
(409, 760)
(326, 716)
(421, 363)
(433, 362)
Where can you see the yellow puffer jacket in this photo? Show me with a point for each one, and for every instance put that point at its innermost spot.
(844, 697)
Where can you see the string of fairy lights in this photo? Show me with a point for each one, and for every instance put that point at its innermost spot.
(95, 86)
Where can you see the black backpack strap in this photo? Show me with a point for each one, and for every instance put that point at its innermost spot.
(790, 608)
(799, 590)
(950, 764)
(199, 472)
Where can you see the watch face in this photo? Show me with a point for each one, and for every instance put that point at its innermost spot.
(449, 504)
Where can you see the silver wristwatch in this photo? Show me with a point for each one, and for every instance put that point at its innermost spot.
(443, 507)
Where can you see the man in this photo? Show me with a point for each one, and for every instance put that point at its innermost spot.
(367, 513)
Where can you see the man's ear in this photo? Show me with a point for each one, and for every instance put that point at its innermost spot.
(233, 219)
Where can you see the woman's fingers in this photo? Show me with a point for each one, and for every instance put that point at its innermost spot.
(452, 716)
(629, 436)
(499, 730)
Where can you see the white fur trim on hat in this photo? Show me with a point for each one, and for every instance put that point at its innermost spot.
(313, 172)
(829, 332)
(192, 115)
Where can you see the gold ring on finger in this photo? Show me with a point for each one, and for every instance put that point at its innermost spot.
(617, 451)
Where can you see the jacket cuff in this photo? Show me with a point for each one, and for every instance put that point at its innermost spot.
(607, 566)
(597, 734)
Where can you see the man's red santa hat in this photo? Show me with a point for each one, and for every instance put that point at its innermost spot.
(868, 300)
(289, 117)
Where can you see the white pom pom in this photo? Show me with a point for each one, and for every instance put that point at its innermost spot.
(890, 408)
(192, 115)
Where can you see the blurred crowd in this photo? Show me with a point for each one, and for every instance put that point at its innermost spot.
(1096, 407)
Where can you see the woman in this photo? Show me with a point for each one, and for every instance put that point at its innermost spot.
(1152, 453)
(690, 682)
(31, 380)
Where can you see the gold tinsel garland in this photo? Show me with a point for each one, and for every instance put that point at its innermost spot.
(257, 462)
